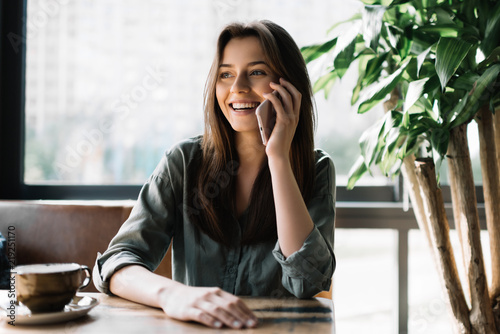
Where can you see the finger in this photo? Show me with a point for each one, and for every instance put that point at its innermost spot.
(294, 92)
(286, 102)
(221, 313)
(239, 309)
(236, 308)
(276, 102)
(235, 302)
(204, 318)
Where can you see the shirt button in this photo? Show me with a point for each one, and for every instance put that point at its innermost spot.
(232, 270)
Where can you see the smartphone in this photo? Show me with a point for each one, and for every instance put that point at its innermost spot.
(266, 117)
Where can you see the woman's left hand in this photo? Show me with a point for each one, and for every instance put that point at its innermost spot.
(287, 118)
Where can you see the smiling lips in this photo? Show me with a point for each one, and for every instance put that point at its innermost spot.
(244, 106)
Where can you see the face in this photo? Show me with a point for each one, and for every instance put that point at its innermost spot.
(243, 78)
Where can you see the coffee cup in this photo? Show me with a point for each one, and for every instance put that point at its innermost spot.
(49, 287)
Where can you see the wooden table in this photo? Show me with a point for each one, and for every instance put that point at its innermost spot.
(117, 315)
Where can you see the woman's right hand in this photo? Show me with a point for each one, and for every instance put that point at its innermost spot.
(210, 306)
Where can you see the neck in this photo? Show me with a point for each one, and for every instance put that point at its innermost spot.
(251, 151)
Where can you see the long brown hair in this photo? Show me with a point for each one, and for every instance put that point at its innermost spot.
(214, 191)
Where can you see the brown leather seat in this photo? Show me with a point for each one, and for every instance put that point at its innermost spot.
(49, 232)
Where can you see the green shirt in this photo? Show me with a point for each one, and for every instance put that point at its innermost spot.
(160, 217)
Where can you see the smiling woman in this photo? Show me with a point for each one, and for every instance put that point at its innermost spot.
(263, 229)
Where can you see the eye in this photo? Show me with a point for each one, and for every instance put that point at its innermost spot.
(225, 75)
(258, 72)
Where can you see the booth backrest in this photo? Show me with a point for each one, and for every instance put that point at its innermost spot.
(50, 232)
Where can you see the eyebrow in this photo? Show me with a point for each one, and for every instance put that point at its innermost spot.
(253, 63)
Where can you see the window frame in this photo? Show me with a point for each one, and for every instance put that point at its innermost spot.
(11, 98)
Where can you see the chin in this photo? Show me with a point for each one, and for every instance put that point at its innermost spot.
(238, 127)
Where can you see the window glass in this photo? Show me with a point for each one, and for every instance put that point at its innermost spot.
(112, 84)
(364, 281)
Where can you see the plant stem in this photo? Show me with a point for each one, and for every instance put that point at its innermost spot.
(411, 182)
(465, 212)
(489, 139)
(496, 122)
(443, 252)
(491, 189)
(461, 231)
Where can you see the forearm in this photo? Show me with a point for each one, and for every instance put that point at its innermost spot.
(140, 285)
(293, 221)
(210, 306)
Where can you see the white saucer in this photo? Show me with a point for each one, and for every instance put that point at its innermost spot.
(79, 306)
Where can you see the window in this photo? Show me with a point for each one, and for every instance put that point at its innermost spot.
(363, 287)
(111, 86)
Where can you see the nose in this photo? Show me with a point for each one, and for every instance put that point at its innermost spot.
(240, 84)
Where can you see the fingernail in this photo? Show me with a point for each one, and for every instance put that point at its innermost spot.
(218, 324)
(236, 323)
(250, 323)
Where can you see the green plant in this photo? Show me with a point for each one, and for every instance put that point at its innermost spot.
(438, 61)
(425, 52)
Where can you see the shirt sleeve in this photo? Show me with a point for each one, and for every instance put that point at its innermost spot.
(309, 270)
(145, 236)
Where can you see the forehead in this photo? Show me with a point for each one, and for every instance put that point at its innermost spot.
(243, 50)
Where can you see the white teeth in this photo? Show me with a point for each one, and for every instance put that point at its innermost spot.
(244, 105)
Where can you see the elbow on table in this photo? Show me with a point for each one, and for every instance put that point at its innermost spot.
(303, 289)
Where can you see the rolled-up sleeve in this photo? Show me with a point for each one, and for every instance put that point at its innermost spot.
(145, 236)
(309, 270)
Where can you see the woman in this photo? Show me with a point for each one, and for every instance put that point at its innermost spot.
(243, 218)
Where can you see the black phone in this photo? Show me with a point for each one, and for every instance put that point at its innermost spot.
(266, 117)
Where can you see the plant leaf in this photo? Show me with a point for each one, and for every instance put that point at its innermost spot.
(494, 57)
(449, 30)
(373, 69)
(457, 110)
(450, 53)
(492, 32)
(312, 52)
(415, 91)
(439, 140)
(398, 2)
(356, 91)
(393, 119)
(371, 141)
(344, 59)
(443, 16)
(389, 163)
(392, 35)
(484, 89)
(425, 104)
(356, 172)
(378, 91)
(466, 81)
(324, 81)
(421, 58)
(372, 25)
(346, 39)
(327, 89)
